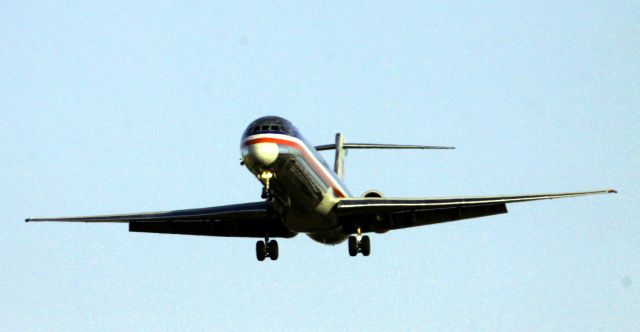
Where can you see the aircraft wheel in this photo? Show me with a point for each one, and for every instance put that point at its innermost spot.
(353, 246)
(261, 250)
(273, 250)
(365, 245)
(266, 193)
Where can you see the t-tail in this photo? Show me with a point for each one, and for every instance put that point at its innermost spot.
(341, 146)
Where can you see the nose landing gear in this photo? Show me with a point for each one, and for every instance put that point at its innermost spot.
(265, 177)
(266, 249)
(359, 243)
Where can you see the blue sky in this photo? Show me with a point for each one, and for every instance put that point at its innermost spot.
(126, 107)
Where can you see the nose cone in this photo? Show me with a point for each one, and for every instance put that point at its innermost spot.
(264, 153)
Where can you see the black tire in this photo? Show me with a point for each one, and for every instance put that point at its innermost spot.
(353, 246)
(261, 250)
(365, 245)
(273, 250)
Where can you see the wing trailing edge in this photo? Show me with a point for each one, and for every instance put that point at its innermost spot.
(239, 220)
(235, 211)
(381, 214)
(381, 204)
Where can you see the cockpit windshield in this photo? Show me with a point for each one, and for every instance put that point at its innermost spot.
(270, 124)
(266, 128)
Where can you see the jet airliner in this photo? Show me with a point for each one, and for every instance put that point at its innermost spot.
(302, 194)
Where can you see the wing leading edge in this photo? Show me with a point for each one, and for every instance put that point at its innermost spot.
(239, 220)
(381, 214)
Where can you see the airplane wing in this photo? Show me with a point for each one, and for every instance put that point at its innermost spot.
(239, 220)
(380, 214)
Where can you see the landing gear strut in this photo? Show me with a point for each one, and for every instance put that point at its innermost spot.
(266, 190)
(266, 249)
(359, 243)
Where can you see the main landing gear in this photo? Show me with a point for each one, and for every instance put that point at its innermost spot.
(266, 249)
(359, 243)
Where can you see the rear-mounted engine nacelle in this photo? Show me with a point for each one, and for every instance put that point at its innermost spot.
(372, 193)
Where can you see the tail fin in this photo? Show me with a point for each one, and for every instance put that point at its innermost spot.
(340, 146)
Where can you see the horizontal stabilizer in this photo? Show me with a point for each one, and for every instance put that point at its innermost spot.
(340, 146)
(381, 146)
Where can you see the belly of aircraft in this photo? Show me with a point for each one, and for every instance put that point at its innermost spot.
(307, 200)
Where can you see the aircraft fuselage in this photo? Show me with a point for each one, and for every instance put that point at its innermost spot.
(299, 181)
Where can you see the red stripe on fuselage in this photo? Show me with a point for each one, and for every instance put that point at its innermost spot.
(311, 160)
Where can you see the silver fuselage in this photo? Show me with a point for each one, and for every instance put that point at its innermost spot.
(304, 188)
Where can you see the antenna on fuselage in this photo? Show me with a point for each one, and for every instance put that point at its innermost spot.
(340, 146)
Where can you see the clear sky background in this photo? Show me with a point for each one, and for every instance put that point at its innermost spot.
(139, 106)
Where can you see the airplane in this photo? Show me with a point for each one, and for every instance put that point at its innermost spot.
(302, 194)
